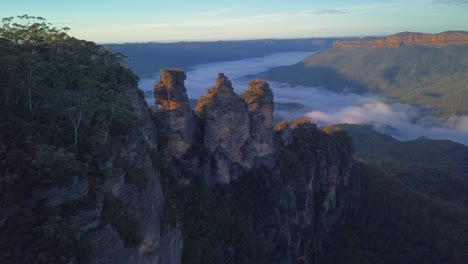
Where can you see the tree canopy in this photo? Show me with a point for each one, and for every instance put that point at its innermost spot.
(64, 103)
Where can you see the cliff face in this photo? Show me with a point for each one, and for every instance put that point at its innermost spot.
(226, 127)
(109, 212)
(142, 200)
(259, 99)
(174, 110)
(315, 167)
(283, 188)
(407, 39)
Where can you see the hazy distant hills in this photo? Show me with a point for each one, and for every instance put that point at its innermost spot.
(414, 68)
(145, 59)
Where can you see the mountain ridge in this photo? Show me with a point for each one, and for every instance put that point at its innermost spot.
(407, 39)
(432, 77)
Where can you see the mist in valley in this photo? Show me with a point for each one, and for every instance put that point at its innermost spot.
(402, 121)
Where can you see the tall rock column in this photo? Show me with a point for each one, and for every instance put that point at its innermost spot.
(259, 99)
(226, 127)
(174, 110)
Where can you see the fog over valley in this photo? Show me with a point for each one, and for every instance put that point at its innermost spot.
(268, 132)
(402, 121)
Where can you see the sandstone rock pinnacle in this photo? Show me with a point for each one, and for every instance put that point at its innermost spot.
(259, 99)
(226, 126)
(174, 110)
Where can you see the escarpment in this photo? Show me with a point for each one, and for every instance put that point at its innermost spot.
(279, 188)
(407, 39)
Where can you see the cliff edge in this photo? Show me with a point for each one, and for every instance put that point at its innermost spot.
(407, 39)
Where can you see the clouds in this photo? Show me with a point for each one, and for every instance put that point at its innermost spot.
(322, 12)
(217, 12)
(402, 121)
(450, 2)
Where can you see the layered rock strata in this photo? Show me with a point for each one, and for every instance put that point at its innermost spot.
(407, 39)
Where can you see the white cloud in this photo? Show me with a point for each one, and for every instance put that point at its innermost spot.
(450, 2)
(217, 12)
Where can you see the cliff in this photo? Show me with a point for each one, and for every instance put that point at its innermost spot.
(79, 172)
(277, 189)
(407, 39)
(134, 190)
(259, 100)
(226, 128)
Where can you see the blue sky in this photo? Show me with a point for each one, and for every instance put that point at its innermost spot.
(173, 20)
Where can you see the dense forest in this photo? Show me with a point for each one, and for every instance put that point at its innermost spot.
(64, 103)
(413, 202)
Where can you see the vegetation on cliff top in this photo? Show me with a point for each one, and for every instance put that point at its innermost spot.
(64, 104)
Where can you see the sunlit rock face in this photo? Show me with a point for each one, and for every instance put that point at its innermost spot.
(408, 39)
(174, 110)
(226, 127)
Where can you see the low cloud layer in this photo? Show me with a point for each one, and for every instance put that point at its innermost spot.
(402, 121)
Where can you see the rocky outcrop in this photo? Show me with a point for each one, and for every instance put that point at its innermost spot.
(177, 118)
(315, 167)
(226, 128)
(259, 100)
(407, 39)
(302, 173)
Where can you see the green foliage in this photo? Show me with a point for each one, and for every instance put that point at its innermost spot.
(395, 224)
(69, 86)
(218, 228)
(413, 202)
(65, 105)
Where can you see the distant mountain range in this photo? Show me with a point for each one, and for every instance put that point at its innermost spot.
(146, 59)
(414, 68)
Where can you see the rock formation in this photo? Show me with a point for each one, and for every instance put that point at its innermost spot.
(316, 167)
(259, 99)
(174, 110)
(226, 127)
(408, 39)
(306, 168)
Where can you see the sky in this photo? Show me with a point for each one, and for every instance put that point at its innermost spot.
(118, 21)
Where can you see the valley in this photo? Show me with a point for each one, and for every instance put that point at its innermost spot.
(287, 151)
